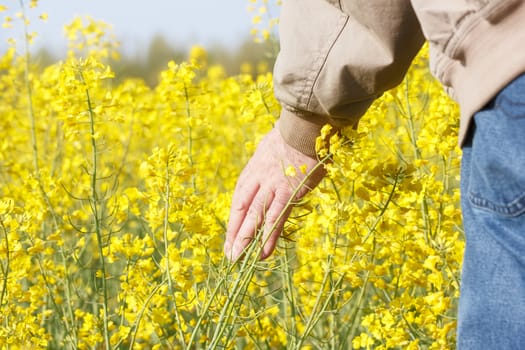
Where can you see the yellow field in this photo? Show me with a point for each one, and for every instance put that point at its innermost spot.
(114, 200)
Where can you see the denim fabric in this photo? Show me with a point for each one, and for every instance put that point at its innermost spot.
(492, 302)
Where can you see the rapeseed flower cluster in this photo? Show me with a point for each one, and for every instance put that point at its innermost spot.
(114, 200)
(265, 19)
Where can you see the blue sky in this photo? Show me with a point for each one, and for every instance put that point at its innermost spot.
(182, 22)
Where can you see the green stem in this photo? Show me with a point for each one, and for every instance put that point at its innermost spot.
(5, 270)
(36, 165)
(240, 285)
(249, 263)
(190, 138)
(141, 315)
(417, 155)
(320, 306)
(167, 195)
(356, 316)
(96, 217)
(413, 138)
(290, 297)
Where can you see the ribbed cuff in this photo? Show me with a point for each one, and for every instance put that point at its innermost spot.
(300, 132)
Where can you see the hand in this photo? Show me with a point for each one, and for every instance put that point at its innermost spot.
(263, 192)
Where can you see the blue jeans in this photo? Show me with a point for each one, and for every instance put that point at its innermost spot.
(492, 302)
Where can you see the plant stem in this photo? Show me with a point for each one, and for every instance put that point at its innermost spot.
(167, 194)
(290, 298)
(96, 216)
(190, 138)
(5, 269)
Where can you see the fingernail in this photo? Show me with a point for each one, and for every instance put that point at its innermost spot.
(236, 252)
(227, 249)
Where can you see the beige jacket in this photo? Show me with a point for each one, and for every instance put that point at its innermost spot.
(337, 56)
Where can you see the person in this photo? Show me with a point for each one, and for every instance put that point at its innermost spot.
(336, 58)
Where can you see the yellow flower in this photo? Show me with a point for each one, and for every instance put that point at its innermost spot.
(290, 171)
(120, 221)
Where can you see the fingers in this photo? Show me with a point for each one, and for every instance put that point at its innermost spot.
(266, 207)
(246, 217)
(276, 216)
(263, 192)
(252, 222)
(242, 199)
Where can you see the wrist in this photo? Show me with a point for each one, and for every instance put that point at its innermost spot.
(300, 132)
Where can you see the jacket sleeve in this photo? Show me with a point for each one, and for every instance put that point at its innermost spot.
(336, 58)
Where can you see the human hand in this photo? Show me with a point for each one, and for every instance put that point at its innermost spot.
(263, 193)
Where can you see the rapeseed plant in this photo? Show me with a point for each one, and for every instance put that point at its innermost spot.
(114, 201)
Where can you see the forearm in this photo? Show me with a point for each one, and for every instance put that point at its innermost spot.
(336, 60)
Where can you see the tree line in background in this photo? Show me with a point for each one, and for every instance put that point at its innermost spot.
(248, 57)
